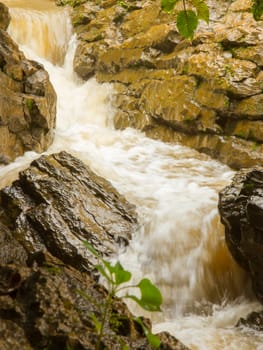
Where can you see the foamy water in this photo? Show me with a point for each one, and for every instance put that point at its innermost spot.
(180, 244)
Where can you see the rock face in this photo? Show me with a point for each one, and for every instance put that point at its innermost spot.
(45, 216)
(241, 210)
(27, 100)
(206, 94)
(4, 17)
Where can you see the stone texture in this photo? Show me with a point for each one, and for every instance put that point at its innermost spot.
(253, 320)
(27, 101)
(241, 210)
(60, 202)
(45, 215)
(4, 16)
(172, 88)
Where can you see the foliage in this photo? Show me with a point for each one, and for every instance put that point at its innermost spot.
(116, 276)
(195, 10)
(257, 9)
(188, 18)
(187, 22)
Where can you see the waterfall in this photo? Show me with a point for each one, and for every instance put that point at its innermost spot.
(180, 243)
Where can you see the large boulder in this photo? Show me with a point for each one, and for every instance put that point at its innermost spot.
(49, 291)
(206, 94)
(27, 100)
(241, 210)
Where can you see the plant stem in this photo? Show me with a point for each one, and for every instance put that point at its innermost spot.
(184, 4)
(104, 318)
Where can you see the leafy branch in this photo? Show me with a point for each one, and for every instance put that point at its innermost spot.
(116, 276)
(188, 18)
(195, 10)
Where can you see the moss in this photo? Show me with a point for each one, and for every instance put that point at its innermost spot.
(72, 3)
(242, 135)
(52, 269)
(255, 146)
(30, 104)
(248, 187)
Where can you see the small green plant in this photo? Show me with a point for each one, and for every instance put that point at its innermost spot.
(117, 277)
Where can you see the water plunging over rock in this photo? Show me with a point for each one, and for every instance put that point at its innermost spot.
(27, 100)
(56, 204)
(206, 94)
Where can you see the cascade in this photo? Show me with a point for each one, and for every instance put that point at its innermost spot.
(180, 243)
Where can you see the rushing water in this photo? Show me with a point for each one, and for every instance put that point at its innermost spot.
(180, 243)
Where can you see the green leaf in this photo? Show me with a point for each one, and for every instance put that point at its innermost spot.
(151, 297)
(121, 275)
(91, 249)
(202, 10)
(103, 272)
(257, 9)
(153, 340)
(187, 22)
(168, 5)
(125, 347)
(118, 274)
(96, 322)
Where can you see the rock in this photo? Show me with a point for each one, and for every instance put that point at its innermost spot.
(4, 16)
(58, 203)
(49, 291)
(241, 210)
(197, 92)
(253, 320)
(27, 102)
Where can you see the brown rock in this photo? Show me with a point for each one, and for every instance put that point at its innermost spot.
(138, 46)
(4, 16)
(27, 103)
(49, 291)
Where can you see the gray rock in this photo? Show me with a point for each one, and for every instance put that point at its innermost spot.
(241, 210)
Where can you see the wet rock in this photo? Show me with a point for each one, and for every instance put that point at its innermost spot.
(49, 291)
(27, 101)
(211, 88)
(57, 203)
(4, 16)
(253, 320)
(241, 210)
